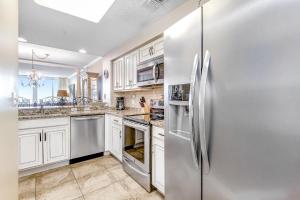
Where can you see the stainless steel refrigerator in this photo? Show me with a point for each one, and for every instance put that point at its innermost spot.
(233, 111)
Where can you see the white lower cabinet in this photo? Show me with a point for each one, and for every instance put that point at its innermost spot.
(30, 148)
(117, 141)
(108, 131)
(158, 159)
(56, 145)
(43, 141)
(114, 135)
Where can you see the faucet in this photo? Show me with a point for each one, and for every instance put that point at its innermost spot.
(42, 110)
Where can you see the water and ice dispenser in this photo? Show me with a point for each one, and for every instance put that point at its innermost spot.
(179, 124)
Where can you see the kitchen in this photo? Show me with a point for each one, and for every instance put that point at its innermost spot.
(187, 99)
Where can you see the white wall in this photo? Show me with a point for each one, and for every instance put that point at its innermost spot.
(8, 110)
(146, 34)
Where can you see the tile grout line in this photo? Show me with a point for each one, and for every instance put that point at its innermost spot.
(77, 183)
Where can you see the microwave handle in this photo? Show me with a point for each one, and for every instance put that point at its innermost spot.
(156, 76)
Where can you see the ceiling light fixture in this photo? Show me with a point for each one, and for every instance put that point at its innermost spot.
(21, 39)
(91, 10)
(34, 79)
(82, 51)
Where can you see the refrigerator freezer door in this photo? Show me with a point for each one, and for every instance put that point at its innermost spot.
(254, 81)
(182, 43)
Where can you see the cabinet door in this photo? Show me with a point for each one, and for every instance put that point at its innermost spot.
(146, 52)
(131, 62)
(108, 133)
(158, 46)
(56, 144)
(135, 62)
(118, 71)
(115, 75)
(117, 141)
(158, 168)
(127, 71)
(30, 148)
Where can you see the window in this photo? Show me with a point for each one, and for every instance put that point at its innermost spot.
(44, 94)
(48, 89)
(25, 93)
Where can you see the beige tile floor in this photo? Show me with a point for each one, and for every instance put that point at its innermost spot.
(98, 179)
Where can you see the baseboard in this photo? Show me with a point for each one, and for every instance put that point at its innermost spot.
(31, 171)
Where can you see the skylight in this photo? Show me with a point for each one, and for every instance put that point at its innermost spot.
(91, 10)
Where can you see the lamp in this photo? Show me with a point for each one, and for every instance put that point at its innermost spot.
(62, 94)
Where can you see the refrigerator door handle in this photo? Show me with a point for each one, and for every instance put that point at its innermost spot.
(194, 143)
(203, 82)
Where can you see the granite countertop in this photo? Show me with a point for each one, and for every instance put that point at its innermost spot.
(158, 123)
(119, 113)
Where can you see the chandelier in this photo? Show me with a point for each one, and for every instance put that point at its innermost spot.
(34, 79)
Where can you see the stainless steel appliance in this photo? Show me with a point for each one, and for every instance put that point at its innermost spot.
(120, 103)
(241, 113)
(136, 149)
(151, 73)
(87, 136)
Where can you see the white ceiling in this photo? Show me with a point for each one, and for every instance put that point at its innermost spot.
(60, 63)
(45, 70)
(124, 20)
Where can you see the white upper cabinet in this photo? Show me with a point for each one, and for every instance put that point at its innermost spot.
(152, 50)
(131, 62)
(158, 46)
(146, 52)
(30, 148)
(125, 68)
(118, 74)
(56, 145)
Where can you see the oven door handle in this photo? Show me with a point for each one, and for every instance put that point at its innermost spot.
(127, 162)
(136, 126)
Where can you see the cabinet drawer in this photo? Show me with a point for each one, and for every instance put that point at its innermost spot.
(116, 120)
(41, 123)
(158, 133)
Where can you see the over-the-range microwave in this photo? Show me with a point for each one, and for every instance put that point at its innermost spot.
(151, 73)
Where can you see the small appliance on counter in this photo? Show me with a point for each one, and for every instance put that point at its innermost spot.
(157, 109)
(120, 103)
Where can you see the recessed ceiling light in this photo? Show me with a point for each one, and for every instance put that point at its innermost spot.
(82, 51)
(92, 10)
(20, 39)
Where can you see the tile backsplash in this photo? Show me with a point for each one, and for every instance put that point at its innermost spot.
(132, 98)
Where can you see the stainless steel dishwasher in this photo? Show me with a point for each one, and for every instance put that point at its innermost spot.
(87, 137)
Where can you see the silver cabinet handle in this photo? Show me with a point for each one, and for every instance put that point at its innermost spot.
(40, 137)
(161, 134)
(194, 141)
(203, 82)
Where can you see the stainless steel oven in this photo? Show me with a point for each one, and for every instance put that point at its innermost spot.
(151, 73)
(136, 150)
